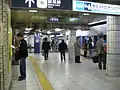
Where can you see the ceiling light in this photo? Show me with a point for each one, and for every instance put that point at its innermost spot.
(26, 32)
(98, 22)
(28, 29)
(86, 14)
(58, 29)
(33, 11)
(48, 32)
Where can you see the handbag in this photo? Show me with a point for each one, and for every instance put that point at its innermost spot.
(17, 56)
(42, 53)
(95, 59)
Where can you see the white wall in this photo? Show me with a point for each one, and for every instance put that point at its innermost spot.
(95, 30)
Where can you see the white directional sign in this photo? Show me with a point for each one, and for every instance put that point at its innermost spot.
(30, 2)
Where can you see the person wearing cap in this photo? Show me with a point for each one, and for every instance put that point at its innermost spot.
(22, 54)
(100, 52)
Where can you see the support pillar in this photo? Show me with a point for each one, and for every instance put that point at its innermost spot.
(113, 42)
(71, 41)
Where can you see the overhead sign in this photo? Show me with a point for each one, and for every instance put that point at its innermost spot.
(51, 4)
(74, 20)
(60, 4)
(23, 4)
(29, 2)
(53, 19)
(92, 7)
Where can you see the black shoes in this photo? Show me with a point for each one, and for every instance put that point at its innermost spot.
(101, 68)
(21, 78)
(78, 62)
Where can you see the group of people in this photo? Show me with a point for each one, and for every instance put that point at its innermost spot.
(100, 49)
(46, 47)
(22, 52)
(62, 49)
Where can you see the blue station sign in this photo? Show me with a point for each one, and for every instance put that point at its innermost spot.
(92, 7)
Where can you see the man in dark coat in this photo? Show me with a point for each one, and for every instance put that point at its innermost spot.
(46, 48)
(62, 49)
(22, 54)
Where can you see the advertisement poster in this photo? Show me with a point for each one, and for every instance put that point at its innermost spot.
(37, 43)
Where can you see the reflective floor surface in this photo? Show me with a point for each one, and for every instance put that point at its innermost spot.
(68, 75)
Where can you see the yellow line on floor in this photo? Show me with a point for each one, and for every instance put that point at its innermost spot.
(40, 75)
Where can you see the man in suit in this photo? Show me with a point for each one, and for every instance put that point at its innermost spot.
(46, 48)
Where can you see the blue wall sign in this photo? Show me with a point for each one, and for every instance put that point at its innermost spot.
(93, 7)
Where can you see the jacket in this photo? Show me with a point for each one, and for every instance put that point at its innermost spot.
(46, 46)
(62, 47)
(100, 46)
(77, 48)
(23, 52)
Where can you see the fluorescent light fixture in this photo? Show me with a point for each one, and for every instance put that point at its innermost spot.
(33, 11)
(26, 32)
(58, 29)
(97, 22)
(40, 34)
(48, 32)
(51, 35)
(28, 29)
(86, 14)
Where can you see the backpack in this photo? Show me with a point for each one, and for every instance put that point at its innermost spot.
(105, 49)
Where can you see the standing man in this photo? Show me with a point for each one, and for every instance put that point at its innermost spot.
(100, 52)
(77, 51)
(46, 48)
(22, 54)
(62, 49)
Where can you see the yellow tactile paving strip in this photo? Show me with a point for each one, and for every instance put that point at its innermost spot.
(40, 75)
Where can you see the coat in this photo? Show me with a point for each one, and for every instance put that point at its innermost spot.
(23, 52)
(77, 48)
(46, 46)
(62, 47)
(100, 46)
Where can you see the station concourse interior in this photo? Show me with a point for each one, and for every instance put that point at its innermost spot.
(56, 25)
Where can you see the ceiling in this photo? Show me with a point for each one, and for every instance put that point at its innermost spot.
(24, 17)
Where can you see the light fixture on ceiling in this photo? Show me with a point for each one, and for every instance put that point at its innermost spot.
(58, 29)
(48, 32)
(97, 22)
(28, 29)
(86, 14)
(33, 11)
(26, 32)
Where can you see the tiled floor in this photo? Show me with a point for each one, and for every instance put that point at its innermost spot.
(71, 76)
(31, 83)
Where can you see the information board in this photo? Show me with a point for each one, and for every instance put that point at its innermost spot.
(92, 7)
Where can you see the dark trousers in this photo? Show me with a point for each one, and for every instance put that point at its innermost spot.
(62, 54)
(102, 61)
(46, 55)
(23, 67)
(77, 59)
(85, 53)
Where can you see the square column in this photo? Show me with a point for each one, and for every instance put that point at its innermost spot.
(71, 41)
(113, 44)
